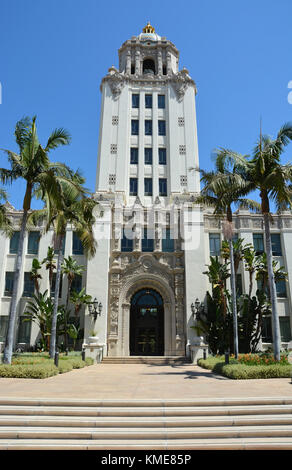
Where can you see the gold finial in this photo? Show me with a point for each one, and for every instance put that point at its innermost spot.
(148, 28)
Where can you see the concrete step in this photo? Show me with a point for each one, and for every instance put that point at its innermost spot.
(145, 360)
(250, 423)
(134, 411)
(271, 443)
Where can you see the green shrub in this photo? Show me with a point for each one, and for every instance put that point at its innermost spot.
(64, 366)
(36, 371)
(237, 371)
(89, 361)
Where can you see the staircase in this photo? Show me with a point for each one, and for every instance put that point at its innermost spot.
(55, 424)
(159, 360)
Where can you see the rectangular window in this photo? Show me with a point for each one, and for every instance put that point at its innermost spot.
(162, 187)
(148, 127)
(9, 275)
(162, 156)
(276, 244)
(266, 330)
(28, 287)
(214, 243)
(167, 242)
(76, 284)
(54, 286)
(135, 127)
(126, 243)
(33, 243)
(285, 329)
(77, 245)
(135, 100)
(3, 327)
(258, 243)
(161, 127)
(161, 101)
(148, 186)
(147, 240)
(24, 330)
(148, 101)
(14, 241)
(133, 186)
(238, 284)
(134, 156)
(281, 288)
(148, 156)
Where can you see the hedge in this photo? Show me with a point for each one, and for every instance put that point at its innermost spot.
(41, 367)
(236, 371)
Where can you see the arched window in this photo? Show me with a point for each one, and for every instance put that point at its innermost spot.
(146, 297)
(148, 66)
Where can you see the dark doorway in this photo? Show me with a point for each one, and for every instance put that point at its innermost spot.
(148, 66)
(147, 324)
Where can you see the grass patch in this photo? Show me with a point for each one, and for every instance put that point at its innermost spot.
(240, 371)
(40, 366)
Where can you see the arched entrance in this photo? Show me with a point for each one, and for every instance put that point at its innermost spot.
(147, 324)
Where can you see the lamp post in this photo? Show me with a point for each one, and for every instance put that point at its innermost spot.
(195, 307)
(95, 308)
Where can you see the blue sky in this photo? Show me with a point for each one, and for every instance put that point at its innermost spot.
(53, 55)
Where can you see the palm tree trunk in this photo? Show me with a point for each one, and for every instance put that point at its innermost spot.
(7, 356)
(234, 305)
(56, 300)
(272, 287)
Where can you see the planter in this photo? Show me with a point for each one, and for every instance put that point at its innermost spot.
(93, 339)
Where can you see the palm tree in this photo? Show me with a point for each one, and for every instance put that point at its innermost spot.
(5, 222)
(74, 208)
(222, 189)
(71, 269)
(35, 275)
(50, 263)
(32, 164)
(264, 172)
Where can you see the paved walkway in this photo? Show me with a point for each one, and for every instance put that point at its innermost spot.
(134, 381)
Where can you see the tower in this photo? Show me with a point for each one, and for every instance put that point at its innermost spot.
(150, 233)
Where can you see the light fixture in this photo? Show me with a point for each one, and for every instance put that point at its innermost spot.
(195, 307)
(95, 308)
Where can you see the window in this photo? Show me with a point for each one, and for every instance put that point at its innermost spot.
(214, 243)
(76, 284)
(276, 244)
(132, 69)
(182, 149)
(162, 156)
(281, 288)
(14, 241)
(148, 156)
(33, 243)
(148, 127)
(134, 156)
(135, 100)
(133, 186)
(238, 284)
(54, 286)
(148, 186)
(162, 187)
(28, 287)
(77, 245)
(184, 180)
(24, 330)
(167, 241)
(148, 101)
(9, 275)
(135, 127)
(147, 240)
(161, 127)
(161, 101)
(258, 243)
(164, 70)
(111, 179)
(266, 330)
(285, 329)
(126, 243)
(3, 327)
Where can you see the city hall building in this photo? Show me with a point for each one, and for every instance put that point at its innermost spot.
(153, 241)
